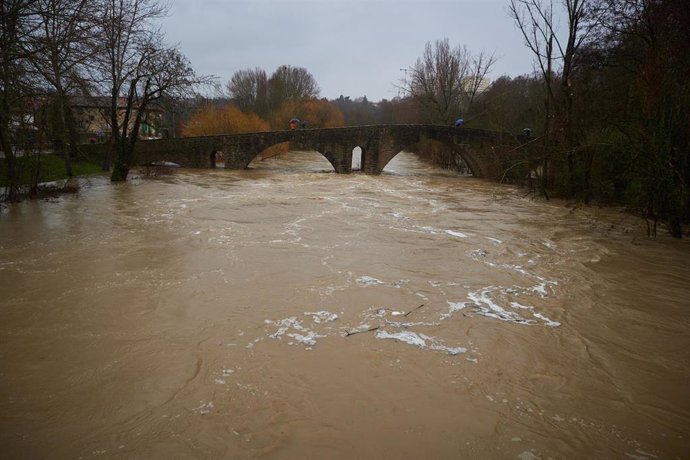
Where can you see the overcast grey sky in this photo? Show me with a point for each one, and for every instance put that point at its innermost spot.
(352, 47)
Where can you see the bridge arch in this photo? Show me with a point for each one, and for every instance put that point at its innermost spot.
(467, 144)
(460, 149)
(242, 149)
(457, 152)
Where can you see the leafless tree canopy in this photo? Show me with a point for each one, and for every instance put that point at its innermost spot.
(291, 83)
(446, 80)
(135, 67)
(252, 91)
(249, 89)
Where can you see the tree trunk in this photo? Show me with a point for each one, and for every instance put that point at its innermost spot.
(64, 144)
(72, 137)
(122, 161)
(10, 161)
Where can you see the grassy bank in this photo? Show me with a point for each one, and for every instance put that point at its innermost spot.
(45, 168)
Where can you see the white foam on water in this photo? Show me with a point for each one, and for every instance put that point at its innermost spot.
(456, 306)
(484, 305)
(450, 350)
(478, 253)
(306, 339)
(520, 306)
(322, 316)
(361, 328)
(487, 301)
(452, 308)
(458, 234)
(436, 231)
(368, 281)
(495, 240)
(296, 330)
(546, 320)
(549, 244)
(419, 340)
(285, 325)
(204, 408)
(642, 455)
(540, 289)
(409, 337)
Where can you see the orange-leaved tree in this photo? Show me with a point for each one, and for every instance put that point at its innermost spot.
(316, 113)
(229, 119)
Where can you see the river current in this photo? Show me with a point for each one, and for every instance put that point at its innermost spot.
(288, 312)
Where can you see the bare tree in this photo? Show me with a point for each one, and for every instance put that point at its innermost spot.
(556, 55)
(249, 89)
(136, 68)
(479, 68)
(57, 51)
(17, 21)
(446, 80)
(291, 83)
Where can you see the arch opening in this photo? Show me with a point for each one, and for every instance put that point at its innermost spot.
(447, 155)
(405, 162)
(283, 157)
(357, 158)
(217, 159)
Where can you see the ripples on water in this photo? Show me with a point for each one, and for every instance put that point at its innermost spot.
(289, 312)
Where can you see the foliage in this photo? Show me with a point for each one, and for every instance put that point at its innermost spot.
(222, 120)
(510, 105)
(314, 113)
(616, 98)
(252, 91)
(291, 84)
(360, 111)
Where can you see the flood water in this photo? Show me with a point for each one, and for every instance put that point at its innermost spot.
(288, 312)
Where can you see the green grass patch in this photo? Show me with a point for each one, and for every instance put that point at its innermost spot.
(46, 168)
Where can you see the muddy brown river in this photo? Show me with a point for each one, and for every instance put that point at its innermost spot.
(287, 312)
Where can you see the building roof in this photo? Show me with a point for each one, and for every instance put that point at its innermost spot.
(103, 102)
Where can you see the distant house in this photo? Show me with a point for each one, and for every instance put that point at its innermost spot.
(31, 122)
(92, 115)
(480, 84)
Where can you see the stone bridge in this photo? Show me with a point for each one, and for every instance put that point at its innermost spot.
(484, 152)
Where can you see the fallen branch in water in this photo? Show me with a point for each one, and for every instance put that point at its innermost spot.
(414, 309)
(348, 333)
